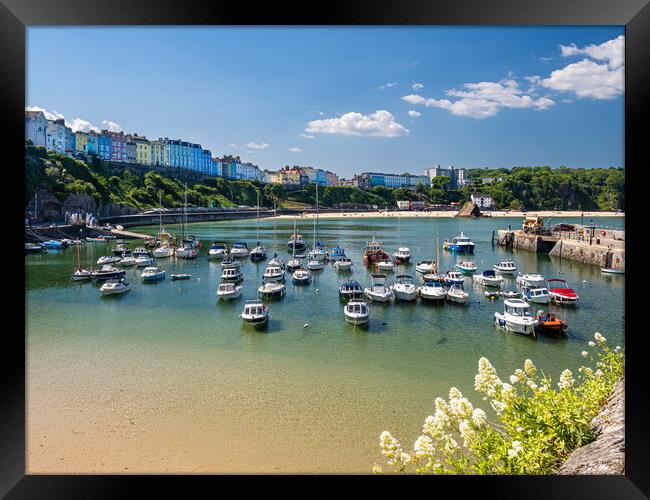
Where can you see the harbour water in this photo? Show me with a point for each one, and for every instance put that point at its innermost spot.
(166, 379)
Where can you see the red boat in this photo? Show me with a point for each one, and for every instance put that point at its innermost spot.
(561, 294)
(374, 253)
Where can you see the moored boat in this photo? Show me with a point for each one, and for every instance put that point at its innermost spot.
(467, 266)
(232, 274)
(336, 254)
(378, 291)
(229, 291)
(239, 249)
(460, 243)
(255, 312)
(505, 267)
(343, 264)
(108, 259)
(351, 289)
(356, 312)
(433, 288)
(301, 277)
(152, 273)
(537, 295)
(402, 256)
(181, 276)
(488, 278)
(217, 251)
(425, 266)
(108, 272)
(530, 280)
(516, 317)
(609, 270)
(561, 294)
(272, 289)
(273, 273)
(374, 253)
(455, 293)
(114, 286)
(454, 278)
(34, 248)
(405, 288)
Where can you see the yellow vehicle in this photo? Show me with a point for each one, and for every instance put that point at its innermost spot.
(532, 224)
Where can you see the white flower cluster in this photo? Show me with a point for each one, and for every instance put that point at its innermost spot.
(599, 337)
(515, 450)
(566, 379)
(390, 448)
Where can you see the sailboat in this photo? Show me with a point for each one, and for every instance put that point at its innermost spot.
(186, 251)
(81, 274)
(259, 252)
(318, 252)
(294, 263)
(163, 249)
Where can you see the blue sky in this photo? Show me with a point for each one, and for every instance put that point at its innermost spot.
(339, 98)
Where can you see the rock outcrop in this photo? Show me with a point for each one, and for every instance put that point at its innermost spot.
(470, 209)
(605, 455)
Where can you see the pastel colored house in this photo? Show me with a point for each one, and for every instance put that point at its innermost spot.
(118, 146)
(36, 128)
(81, 142)
(104, 145)
(55, 138)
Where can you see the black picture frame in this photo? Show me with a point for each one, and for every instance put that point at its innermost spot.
(16, 15)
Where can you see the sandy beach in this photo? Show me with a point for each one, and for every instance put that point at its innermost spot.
(449, 213)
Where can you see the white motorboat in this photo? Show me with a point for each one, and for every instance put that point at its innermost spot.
(127, 260)
(108, 272)
(454, 278)
(82, 274)
(405, 288)
(228, 291)
(467, 266)
(34, 248)
(140, 252)
(144, 261)
(344, 264)
(433, 288)
(425, 266)
(181, 276)
(318, 253)
(316, 265)
(536, 295)
(186, 251)
(385, 265)
(152, 273)
(274, 273)
(505, 267)
(163, 251)
(561, 294)
(230, 263)
(516, 317)
(488, 278)
(356, 312)
(217, 251)
(351, 289)
(378, 291)
(258, 253)
(255, 312)
(276, 260)
(232, 274)
(272, 289)
(293, 264)
(402, 256)
(114, 286)
(239, 250)
(530, 280)
(301, 277)
(455, 293)
(609, 270)
(108, 259)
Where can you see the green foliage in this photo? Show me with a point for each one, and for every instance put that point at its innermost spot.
(538, 423)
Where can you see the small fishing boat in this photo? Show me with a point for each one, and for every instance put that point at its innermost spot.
(144, 261)
(114, 287)
(276, 260)
(356, 312)
(516, 317)
(536, 295)
(316, 265)
(550, 324)
(273, 273)
(425, 266)
(34, 248)
(609, 270)
(108, 259)
(510, 294)
(239, 250)
(530, 280)
(433, 288)
(79, 273)
(272, 289)
(255, 312)
(454, 278)
(217, 251)
(258, 253)
(461, 244)
(374, 253)
(336, 254)
(140, 252)
(457, 294)
(561, 294)
(232, 274)
(405, 288)
(228, 291)
(318, 252)
(296, 242)
(488, 278)
(108, 272)
(402, 256)
(378, 291)
(186, 251)
(120, 249)
(293, 264)
(53, 244)
(230, 263)
(343, 264)
(181, 276)
(152, 273)
(301, 277)
(505, 267)
(351, 289)
(163, 251)
(467, 267)
(385, 265)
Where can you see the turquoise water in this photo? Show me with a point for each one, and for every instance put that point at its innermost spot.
(322, 394)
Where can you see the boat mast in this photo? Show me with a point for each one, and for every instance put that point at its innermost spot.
(293, 253)
(316, 210)
(160, 211)
(437, 252)
(257, 234)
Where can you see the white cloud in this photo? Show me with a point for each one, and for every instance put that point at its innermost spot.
(417, 86)
(295, 150)
(257, 145)
(388, 85)
(587, 79)
(414, 113)
(81, 125)
(483, 99)
(232, 145)
(50, 115)
(378, 124)
(612, 51)
(307, 136)
(112, 126)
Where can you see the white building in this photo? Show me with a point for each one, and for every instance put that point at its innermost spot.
(36, 128)
(403, 204)
(458, 176)
(482, 200)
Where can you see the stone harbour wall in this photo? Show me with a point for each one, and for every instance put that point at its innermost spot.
(596, 255)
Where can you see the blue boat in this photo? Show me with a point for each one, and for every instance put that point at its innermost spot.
(52, 244)
(460, 244)
(337, 253)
